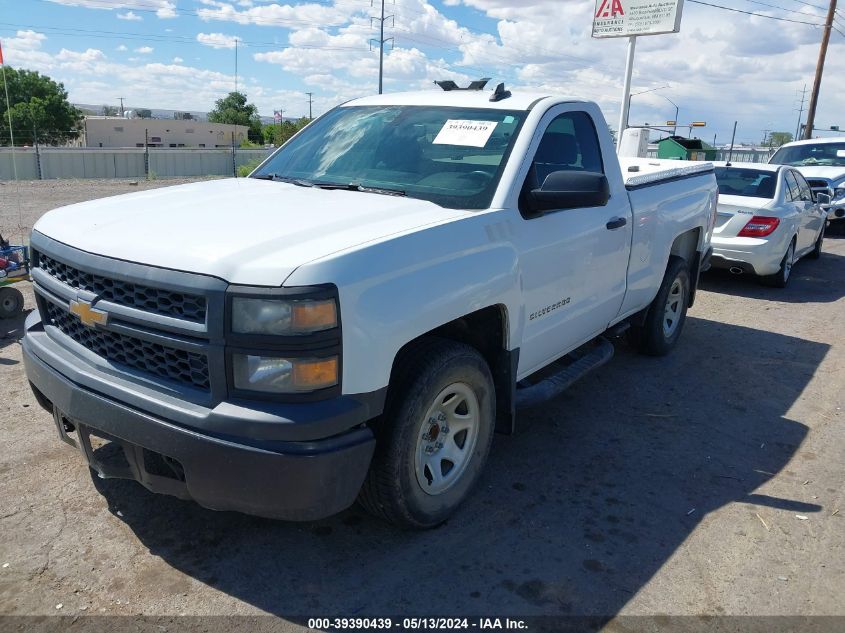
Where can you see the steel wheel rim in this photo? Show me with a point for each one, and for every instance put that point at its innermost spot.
(674, 308)
(787, 263)
(8, 303)
(447, 438)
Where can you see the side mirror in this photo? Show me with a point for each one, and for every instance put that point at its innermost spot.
(570, 190)
(823, 198)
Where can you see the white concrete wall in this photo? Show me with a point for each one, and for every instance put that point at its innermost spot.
(86, 162)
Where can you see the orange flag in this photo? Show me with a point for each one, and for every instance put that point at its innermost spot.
(1, 54)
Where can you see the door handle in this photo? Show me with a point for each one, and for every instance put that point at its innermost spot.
(616, 223)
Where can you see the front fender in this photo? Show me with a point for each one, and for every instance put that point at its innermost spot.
(399, 288)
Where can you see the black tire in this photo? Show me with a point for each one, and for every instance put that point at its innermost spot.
(392, 489)
(781, 278)
(11, 303)
(817, 249)
(651, 337)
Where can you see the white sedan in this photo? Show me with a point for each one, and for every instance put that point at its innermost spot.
(767, 219)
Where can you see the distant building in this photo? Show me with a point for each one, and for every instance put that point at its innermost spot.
(110, 131)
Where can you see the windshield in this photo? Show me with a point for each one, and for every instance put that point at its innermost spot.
(453, 157)
(754, 183)
(823, 154)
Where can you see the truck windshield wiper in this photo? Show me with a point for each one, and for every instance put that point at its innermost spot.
(354, 186)
(294, 181)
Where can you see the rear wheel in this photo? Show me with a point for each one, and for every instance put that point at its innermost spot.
(781, 277)
(11, 303)
(434, 437)
(817, 249)
(665, 318)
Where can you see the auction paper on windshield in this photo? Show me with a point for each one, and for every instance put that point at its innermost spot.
(464, 132)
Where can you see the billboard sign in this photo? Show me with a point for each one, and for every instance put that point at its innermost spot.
(624, 18)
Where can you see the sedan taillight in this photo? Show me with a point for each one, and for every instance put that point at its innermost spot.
(759, 226)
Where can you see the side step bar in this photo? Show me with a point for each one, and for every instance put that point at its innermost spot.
(552, 386)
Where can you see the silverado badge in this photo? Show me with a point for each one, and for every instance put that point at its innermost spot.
(88, 315)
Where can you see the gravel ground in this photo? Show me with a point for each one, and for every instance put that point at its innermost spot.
(653, 487)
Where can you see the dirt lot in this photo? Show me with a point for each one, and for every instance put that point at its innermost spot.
(709, 482)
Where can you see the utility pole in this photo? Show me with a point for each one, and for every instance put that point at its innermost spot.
(121, 105)
(310, 101)
(817, 83)
(800, 112)
(381, 42)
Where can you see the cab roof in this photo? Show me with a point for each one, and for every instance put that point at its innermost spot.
(816, 141)
(459, 98)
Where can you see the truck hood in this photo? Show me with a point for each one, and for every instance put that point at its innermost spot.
(245, 231)
(831, 173)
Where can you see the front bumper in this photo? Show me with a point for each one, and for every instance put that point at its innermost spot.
(282, 479)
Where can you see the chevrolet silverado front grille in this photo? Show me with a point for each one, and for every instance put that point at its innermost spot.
(185, 367)
(156, 300)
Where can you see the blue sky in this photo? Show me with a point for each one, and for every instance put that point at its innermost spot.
(180, 54)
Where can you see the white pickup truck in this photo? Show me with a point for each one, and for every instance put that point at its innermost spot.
(356, 318)
(822, 162)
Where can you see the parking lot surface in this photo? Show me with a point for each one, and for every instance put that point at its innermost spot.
(709, 482)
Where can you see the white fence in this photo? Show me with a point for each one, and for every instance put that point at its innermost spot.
(91, 162)
(739, 155)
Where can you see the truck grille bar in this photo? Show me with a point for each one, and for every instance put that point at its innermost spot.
(158, 301)
(175, 364)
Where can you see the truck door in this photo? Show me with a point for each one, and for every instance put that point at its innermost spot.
(573, 261)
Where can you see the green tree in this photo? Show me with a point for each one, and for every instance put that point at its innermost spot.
(776, 139)
(280, 134)
(144, 113)
(234, 110)
(108, 110)
(39, 105)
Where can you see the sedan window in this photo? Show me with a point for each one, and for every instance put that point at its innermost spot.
(740, 181)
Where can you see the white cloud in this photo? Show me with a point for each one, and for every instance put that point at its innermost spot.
(288, 15)
(163, 8)
(122, 47)
(178, 60)
(216, 40)
(130, 16)
(144, 50)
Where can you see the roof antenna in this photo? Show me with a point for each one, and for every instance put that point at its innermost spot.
(500, 93)
(448, 85)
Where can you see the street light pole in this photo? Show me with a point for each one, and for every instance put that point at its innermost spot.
(677, 109)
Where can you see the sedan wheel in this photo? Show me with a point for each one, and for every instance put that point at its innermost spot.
(781, 277)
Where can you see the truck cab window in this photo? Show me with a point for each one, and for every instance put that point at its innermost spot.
(569, 143)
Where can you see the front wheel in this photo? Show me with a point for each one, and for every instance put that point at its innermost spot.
(434, 436)
(817, 249)
(663, 322)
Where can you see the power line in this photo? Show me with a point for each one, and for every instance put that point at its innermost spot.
(759, 15)
(155, 37)
(774, 6)
(808, 4)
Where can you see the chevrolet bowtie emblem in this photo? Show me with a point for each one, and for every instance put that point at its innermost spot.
(88, 315)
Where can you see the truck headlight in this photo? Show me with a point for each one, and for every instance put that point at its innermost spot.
(272, 374)
(282, 317)
(839, 195)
